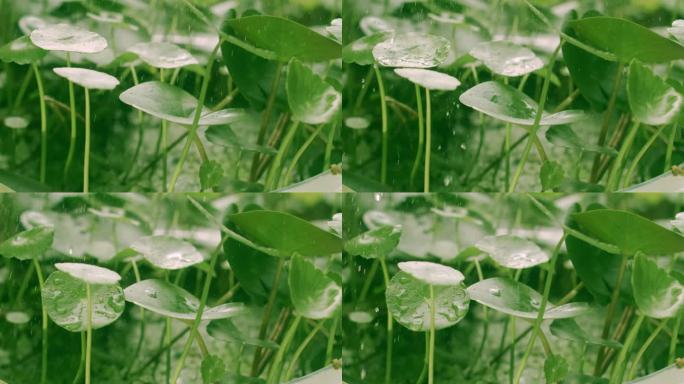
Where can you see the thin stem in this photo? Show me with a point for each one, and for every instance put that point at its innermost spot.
(423, 372)
(164, 142)
(621, 363)
(640, 154)
(86, 159)
(265, 118)
(674, 339)
(331, 340)
(263, 328)
(611, 310)
(644, 347)
(141, 132)
(89, 333)
(192, 136)
(428, 141)
(390, 327)
(72, 113)
(421, 135)
(431, 355)
(274, 173)
(300, 153)
(670, 147)
(507, 163)
(276, 368)
(44, 356)
(43, 123)
(81, 364)
(385, 133)
(616, 171)
(141, 338)
(329, 146)
(300, 349)
(606, 119)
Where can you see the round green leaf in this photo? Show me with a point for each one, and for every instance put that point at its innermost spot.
(429, 79)
(66, 302)
(512, 251)
(432, 273)
(510, 105)
(311, 99)
(412, 50)
(163, 55)
(360, 51)
(68, 38)
(634, 42)
(91, 274)
(226, 330)
(21, 51)
(657, 294)
(507, 59)
(516, 299)
(28, 244)
(629, 232)
(313, 294)
(651, 99)
(293, 39)
(408, 299)
(173, 104)
(569, 330)
(168, 300)
(266, 228)
(88, 78)
(167, 252)
(378, 242)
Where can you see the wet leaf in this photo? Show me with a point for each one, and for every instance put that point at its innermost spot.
(408, 299)
(314, 295)
(429, 79)
(21, 51)
(412, 50)
(66, 302)
(68, 38)
(172, 301)
(651, 99)
(226, 330)
(167, 252)
(375, 243)
(507, 59)
(629, 232)
(88, 78)
(657, 294)
(28, 244)
(311, 99)
(174, 104)
(163, 55)
(360, 51)
(432, 273)
(512, 251)
(211, 174)
(510, 105)
(569, 330)
(302, 237)
(516, 299)
(564, 136)
(91, 274)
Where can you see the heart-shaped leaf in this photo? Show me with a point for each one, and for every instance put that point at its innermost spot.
(507, 59)
(412, 50)
(87, 78)
(311, 99)
(378, 242)
(163, 55)
(516, 299)
(657, 294)
(168, 300)
(510, 105)
(28, 244)
(651, 99)
(429, 79)
(68, 38)
(21, 51)
(314, 295)
(512, 251)
(167, 252)
(91, 274)
(66, 301)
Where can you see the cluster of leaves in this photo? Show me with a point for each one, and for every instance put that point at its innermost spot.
(170, 290)
(518, 288)
(525, 96)
(256, 92)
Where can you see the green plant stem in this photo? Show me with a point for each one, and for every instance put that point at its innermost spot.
(670, 147)
(89, 333)
(44, 324)
(263, 328)
(385, 131)
(537, 119)
(644, 347)
(431, 355)
(81, 364)
(621, 363)
(141, 131)
(606, 120)
(72, 114)
(265, 118)
(141, 337)
(200, 310)
(276, 167)
(331, 339)
(423, 372)
(616, 171)
(43, 123)
(277, 366)
(192, 136)
(615, 297)
(300, 349)
(299, 154)
(542, 308)
(164, 142)
(86, 158)
(674, 339)
(507, 163)
(22, 90)
(640, 155)
(421, 136)
(428, 142)
(329, 146)
(390, 327)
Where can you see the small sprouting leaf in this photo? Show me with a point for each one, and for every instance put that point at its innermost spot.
(429, 79)
(266, 228)
(512, 251)
(569, 330)
(564, 136)
(66, 301)
(311, 99)
(516, 299)
(412, 50)
(656, 293)
(68, 38)
(21, 51)
(257, 34)
(361, 51)
(226, 330)
(167, 252)
(211, 174)
(213, 369)
(634, 42)
(171, 103)
(651, 99)
(551, 175)
(172, 301)
(314, 295)
(630, 232)
(408, 299)
(378, 242)
(28, 244)
(87, 78)
(432, 273)
(163, 55)
(91, 274)
(510, 105)
(507, 59)
(555, 369)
